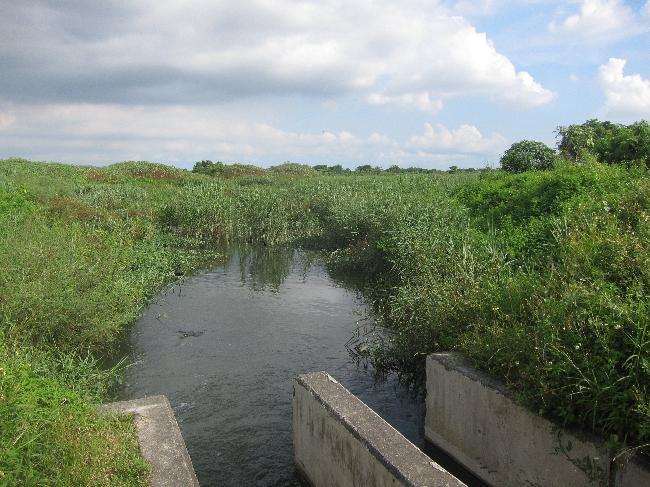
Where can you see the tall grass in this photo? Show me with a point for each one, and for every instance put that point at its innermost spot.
(541, 278)
(80, 255)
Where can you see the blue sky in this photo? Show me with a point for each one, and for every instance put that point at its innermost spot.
(415, 82)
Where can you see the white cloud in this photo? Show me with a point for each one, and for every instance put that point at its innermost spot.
(626, 95)
(466, 139)
(597, 18)
(181, 135)
(419, 101)
(176, 51)
(528, 93)
(475, 7)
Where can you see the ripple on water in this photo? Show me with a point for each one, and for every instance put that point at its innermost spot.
(224, 347)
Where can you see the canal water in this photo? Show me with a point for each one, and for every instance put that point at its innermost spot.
(224, 346)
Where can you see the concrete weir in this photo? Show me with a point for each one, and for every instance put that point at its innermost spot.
(160, 439)
(474, 419)
(339, 441)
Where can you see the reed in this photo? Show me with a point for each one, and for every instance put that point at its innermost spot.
(541, 278)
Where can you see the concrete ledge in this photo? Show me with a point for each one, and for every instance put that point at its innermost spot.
(475, 419)
(161, 442)
(339, 441)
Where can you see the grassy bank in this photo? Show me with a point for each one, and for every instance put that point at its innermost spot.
(540, 278)
(80, 256)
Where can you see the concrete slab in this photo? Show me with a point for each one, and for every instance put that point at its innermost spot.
(476, 420)
(339, 442)
(160, 439)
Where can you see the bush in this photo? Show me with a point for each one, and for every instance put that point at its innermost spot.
(527, 155)
(578, 140)
(208, 167)
(294, 169)
(606, 141)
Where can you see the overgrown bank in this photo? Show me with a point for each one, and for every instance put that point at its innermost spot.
(539, 277)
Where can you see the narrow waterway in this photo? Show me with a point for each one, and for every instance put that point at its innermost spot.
(224, 347)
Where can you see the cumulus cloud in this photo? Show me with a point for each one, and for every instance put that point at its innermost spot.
(182, 134)
(626, 95)
(207, 51)
(528, 93)
(475, 7)
(597, 18)
(465, 139)
(419, 101)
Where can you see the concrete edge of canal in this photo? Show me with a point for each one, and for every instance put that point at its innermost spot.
(476, 420)
(160, 440)
(340, 441)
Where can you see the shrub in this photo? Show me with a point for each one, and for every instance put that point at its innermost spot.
(208, 167)
(607, 142)
(294, 169)
(578, 140)
(527, 155)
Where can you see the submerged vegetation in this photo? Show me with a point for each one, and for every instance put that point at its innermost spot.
(540, 277)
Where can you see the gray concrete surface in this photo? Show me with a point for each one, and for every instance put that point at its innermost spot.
(631, 471)
(475, 419)
(340, 442)
(160, 439)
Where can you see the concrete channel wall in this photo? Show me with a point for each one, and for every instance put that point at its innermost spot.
(160, 440)
(475, 419)
(340, 442)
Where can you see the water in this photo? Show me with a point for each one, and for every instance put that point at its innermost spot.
(224, 347)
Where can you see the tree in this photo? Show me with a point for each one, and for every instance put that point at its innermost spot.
(208, 167)
(629, 144)
(364, 168)
(527, 155)
(579, 140)
(607, 142)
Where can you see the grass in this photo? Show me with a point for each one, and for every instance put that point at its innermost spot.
(540, 278)
(52, 433)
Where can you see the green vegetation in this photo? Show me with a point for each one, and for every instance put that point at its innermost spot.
(80, 254)
(540, 277)
(51, 432)
(610, 143)
(528, 155)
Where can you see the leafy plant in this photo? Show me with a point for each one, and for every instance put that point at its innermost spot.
(527, 155)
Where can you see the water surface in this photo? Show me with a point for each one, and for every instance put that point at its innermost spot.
(224, 347)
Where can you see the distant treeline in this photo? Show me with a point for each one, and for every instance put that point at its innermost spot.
(292, 168)
(606, 142)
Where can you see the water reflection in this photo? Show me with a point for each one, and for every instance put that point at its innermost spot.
(266, 268)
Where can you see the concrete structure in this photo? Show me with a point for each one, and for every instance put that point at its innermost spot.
(160, 439)
(631, 472)
(340, 442)
(475, 419)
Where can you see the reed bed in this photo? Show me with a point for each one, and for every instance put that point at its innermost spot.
(540, 278)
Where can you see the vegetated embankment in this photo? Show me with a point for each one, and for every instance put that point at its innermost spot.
(540, 277)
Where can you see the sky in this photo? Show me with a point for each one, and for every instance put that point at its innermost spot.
(413, 83)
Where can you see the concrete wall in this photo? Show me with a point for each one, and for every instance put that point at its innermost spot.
(339, 441)
(474, 419)
(631, 472)
(160, 439)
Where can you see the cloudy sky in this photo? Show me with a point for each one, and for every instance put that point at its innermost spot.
(415, 82)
